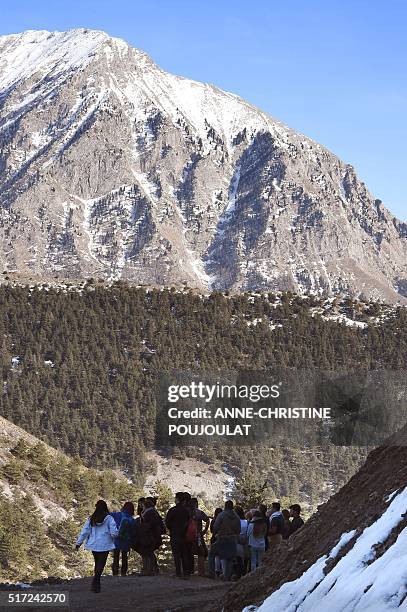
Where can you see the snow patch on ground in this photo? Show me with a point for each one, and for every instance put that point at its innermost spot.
(233, 192)
(341, 318)
(360, 581)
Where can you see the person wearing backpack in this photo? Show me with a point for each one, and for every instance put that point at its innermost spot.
(256, 532)
(154, 528)
(177, 520)
(125, 523)
(98, 533)
(227, 530)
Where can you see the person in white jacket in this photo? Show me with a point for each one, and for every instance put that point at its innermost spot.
(256, 532)
(98, 533)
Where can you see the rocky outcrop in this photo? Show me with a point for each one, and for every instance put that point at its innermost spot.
(112, 168)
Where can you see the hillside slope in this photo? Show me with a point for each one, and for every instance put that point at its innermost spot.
(113, 168)
(89, 360)
(351, 555)
(44, 497)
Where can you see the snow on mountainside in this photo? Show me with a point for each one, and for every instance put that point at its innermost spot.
(111, 167)
(350, 555)
(360, 581)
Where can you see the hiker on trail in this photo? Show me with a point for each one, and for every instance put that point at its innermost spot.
(98, 533)
(125, 523)
(227, 530)
(196, 535)
(256, 532)
(218, 566)
(263, 510)
(297, 522)
(276, 526)
(177, 520)
(189, 537)
(152, 528)
(242, 548)
(211, 527)
(140, 505)
(287, 524)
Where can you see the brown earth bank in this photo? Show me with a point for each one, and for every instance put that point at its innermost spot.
(133, 594)
(356, 506)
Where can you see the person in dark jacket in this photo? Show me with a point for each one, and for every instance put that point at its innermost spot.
(140, 505)
(124, 522)
(263, 511)
(276, 526)
(212, 525)
(199, 546)
(287, 524)
(177, 520)
(189, 544)
(218, 568)
(227, 530)
(152, 524)
(296, 522)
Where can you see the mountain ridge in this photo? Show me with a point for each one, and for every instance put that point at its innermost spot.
(142, 175)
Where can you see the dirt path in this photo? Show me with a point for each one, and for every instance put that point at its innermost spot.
(137, 594)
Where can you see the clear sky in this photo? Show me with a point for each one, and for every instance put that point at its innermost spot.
(334, 70)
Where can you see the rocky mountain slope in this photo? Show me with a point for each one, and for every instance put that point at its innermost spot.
(351, 555)
(111, 167)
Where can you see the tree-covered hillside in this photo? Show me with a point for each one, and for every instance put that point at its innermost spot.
(44, 498)
(80, 365)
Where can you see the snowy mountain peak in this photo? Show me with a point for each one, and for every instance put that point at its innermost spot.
(23, 55)
(113, 167)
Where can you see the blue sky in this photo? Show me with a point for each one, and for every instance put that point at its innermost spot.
(334, 70)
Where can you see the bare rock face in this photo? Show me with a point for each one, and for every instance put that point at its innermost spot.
(112, 168)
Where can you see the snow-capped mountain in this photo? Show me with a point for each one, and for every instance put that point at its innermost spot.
(111, 167)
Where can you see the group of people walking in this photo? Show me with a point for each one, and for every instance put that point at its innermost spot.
(238, 539)
(120, 532)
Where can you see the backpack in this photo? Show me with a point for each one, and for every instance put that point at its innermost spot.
(125, 530)
(145, 541)
(134, 534)
(191, 533)
(160, 525)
